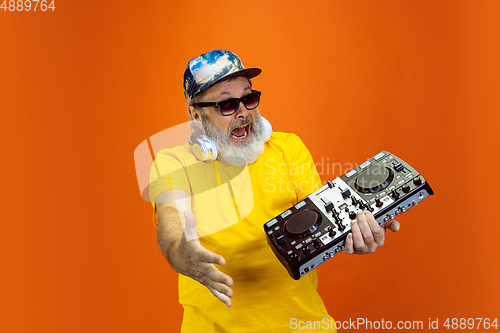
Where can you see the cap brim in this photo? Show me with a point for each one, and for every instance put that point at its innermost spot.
(247, 72)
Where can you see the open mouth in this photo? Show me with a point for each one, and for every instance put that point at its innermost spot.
(240, 132)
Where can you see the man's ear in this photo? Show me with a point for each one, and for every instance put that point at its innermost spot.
(195, 116)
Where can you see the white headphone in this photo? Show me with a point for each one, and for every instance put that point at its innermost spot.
(204, 149)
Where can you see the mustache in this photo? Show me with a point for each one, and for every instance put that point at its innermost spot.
(240, 122)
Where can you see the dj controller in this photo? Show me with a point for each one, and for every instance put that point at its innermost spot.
(314, 230)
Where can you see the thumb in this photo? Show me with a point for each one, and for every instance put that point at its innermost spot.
(392, 226)
(190, 227)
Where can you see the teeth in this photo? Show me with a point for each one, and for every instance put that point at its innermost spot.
(240, 137)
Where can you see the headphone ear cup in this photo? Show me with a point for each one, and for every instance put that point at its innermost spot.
(267, 129)
(204, 149)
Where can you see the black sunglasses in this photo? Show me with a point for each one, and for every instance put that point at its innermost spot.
(229, 106)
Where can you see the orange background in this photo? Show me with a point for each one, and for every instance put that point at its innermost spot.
(82, 86)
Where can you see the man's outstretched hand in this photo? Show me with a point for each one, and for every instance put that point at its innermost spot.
(366, 235)
(190, 258)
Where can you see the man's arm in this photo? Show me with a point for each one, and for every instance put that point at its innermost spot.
(179, 243)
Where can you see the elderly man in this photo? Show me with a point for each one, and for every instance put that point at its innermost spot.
(230, 281)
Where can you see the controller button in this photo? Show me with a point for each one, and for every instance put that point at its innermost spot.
(281, 239)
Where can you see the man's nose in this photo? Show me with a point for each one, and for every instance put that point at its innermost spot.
(242, 111)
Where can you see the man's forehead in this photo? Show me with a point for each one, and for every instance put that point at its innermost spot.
(230, 86)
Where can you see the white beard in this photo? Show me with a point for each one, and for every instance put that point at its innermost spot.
(240, 154)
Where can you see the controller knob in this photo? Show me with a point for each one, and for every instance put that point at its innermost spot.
(352, 215)
(337, 218)
(330, 183)
(378, 202)
(340, 226)
(354, 201)
(306, 251)
(417, 181)
(370, 208)
(346, 193)
(331, 232)
(395, 194)
(406, 188)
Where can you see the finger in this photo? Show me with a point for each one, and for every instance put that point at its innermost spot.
(215, 275)
(190, 227)
(209, 281)
(211, 258)
(365, 231)
(377, 231)
(223, 298)
(357, 237)
(349, 245)
(392, 225)
(223, 289)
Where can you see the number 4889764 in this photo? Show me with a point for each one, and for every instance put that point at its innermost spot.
(27, 5)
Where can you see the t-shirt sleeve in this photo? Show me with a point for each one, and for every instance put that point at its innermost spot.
(303, 169)
(168, 172)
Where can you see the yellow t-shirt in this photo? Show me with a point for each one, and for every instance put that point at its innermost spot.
(231, 205)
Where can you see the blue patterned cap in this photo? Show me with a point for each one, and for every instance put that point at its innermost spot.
(204, 71)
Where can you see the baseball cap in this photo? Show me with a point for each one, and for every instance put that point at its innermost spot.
(206, 70)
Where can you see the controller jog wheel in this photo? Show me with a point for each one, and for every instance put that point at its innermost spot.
(302, 223)
(374, 179)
